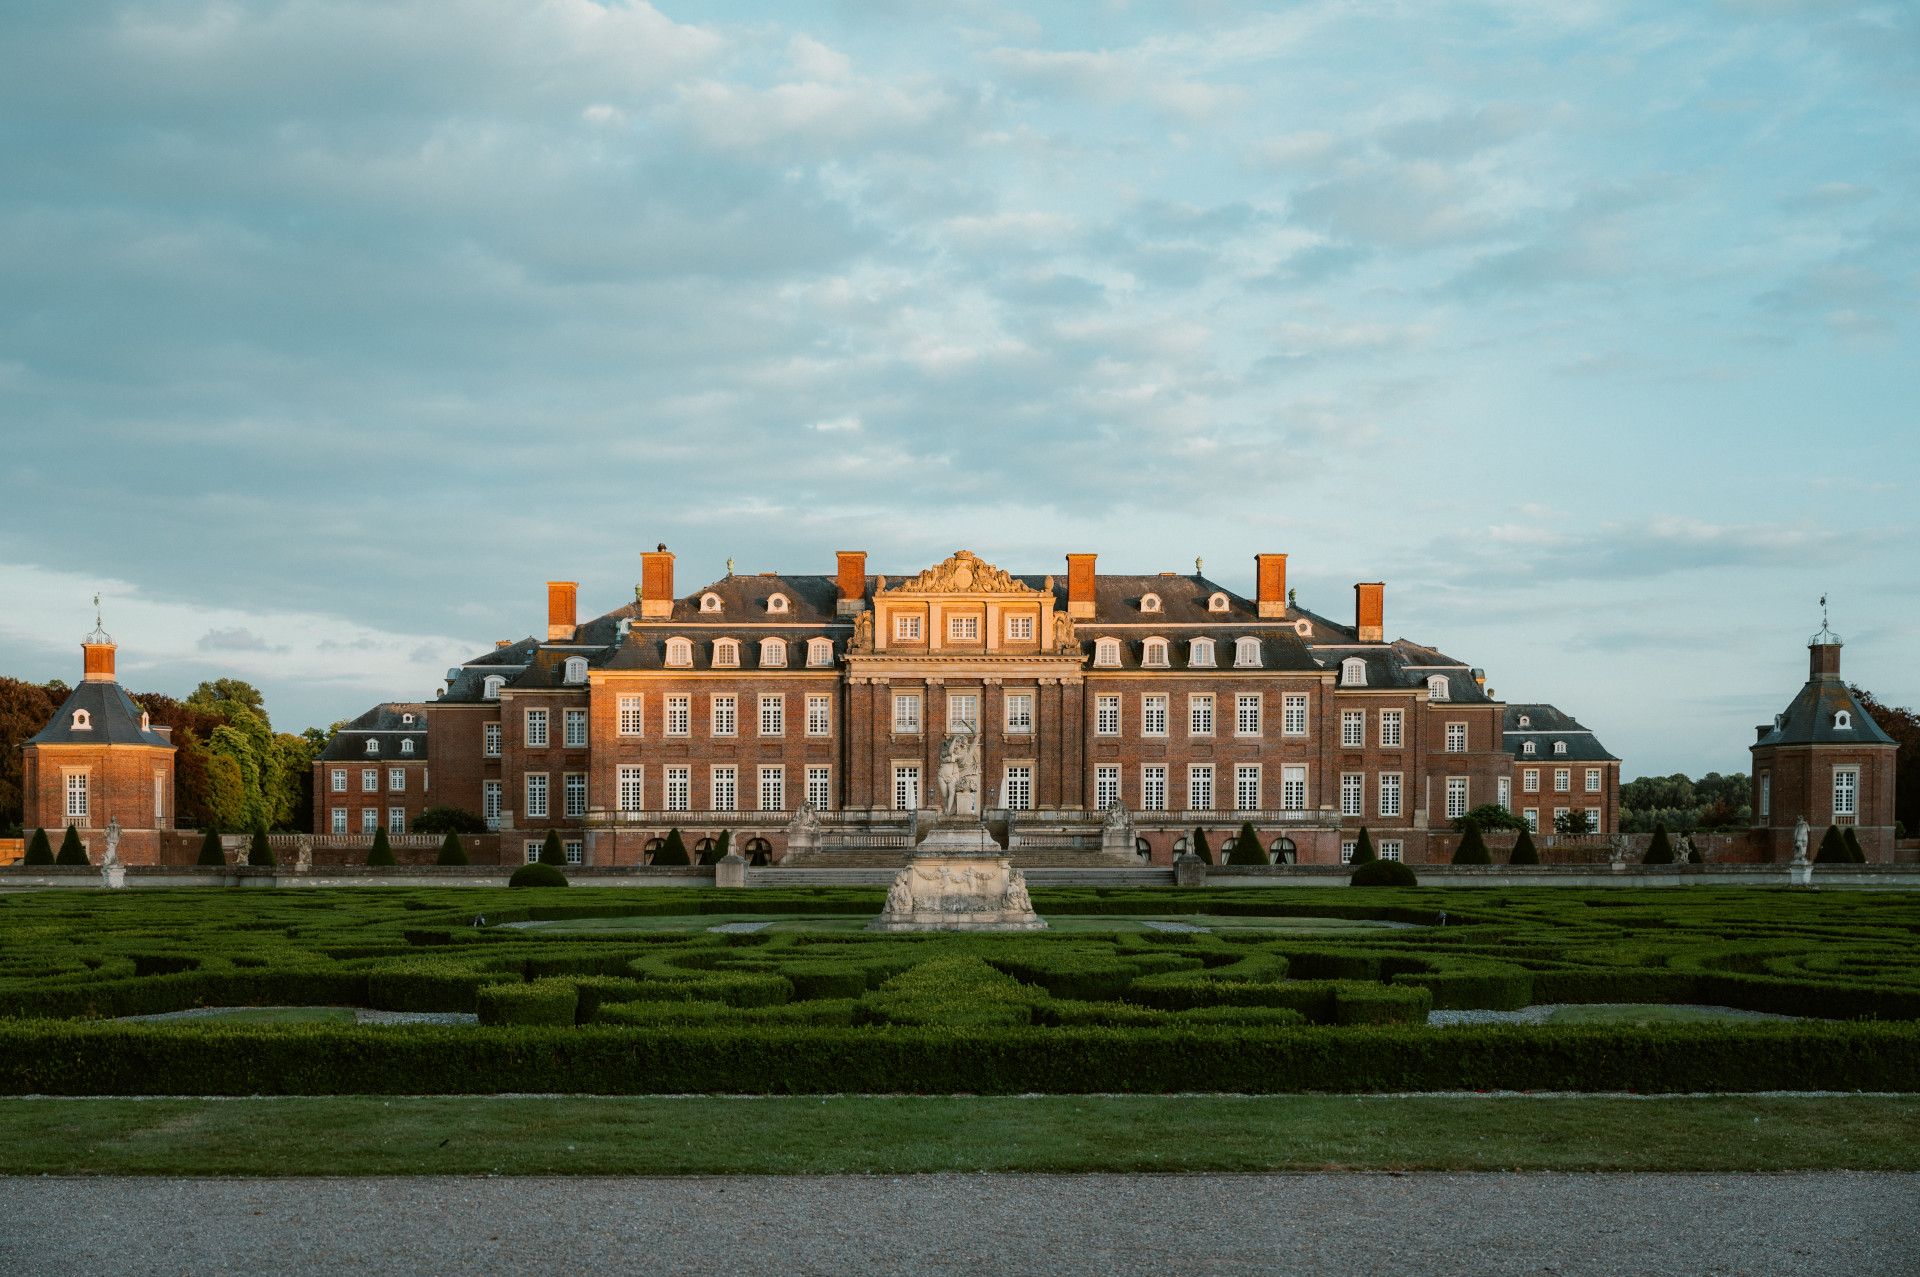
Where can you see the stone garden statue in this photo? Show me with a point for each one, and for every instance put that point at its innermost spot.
(113, 843)
(1116, 817)
(303, 857)
(959, 774)
(1800, 833)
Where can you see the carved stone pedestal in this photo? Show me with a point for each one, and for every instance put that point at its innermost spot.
(959, 880)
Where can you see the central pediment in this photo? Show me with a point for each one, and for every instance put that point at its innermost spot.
(964, 572)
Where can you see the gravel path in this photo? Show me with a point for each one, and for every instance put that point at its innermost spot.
(1859, 1225)
(1541, 1013)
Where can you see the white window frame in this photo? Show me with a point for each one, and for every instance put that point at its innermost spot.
(397, 779)
(339, 784)
(677, 788)
(396, 820)
(773, 653)
(906, 626)
(1349, 847)
(820, 786)
(1016, 787)
(1106, 785)
(1106, 653)
(1593, 782)
(491, 796)
(491, 685)
(338, 824)
(906, 786)
(1020, 713)
(1766, 794)
(1153, 787)
(1530, 780)
(680, 653)
(1200, 655)
(773, 714)
(1439, 688)
(819, 714)
(630, 791)
(1293, 787)
(1390, 789)
(964, 628)
(963, 711)
(906, 713)
(723, 714)
(537, 798)
(1391, 848)
(1456, 738)
(1353, 729)
(773, 787)
(1200, 714)
(1246, 714)
(534, 728)
(1200, 795)
(679, 715)
(1392, 728)
(1531, 815)
(1246, 653)
(1153, 654)
(1246, 786)
(819, 653)
(1458, 796)
(490, 740)
(1106, 714)
(723, 787)
(575, 670)
(406, 746)
(369, 820)
(572, 849)
(369, 780)
(573, 728)
(1353, 793)
(726, 654)
(1293, 714)
(1503, 791)
(1846, 791)
(1020, 628)
(1353, 672)
(573, 794)
(79, 796)
(1563, 780)
(1153, 714)
(632, 720)
(532, 849)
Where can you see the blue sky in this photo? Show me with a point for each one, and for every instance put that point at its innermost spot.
(329, 331)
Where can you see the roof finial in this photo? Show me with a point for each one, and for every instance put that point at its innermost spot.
(99, 634)
(1199, 566)
(1826, 637)
(729, 565)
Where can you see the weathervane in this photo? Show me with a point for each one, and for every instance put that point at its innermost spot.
(99, 634)
(1826, 635)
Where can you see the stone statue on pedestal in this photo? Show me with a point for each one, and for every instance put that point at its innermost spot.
(112, 872)
(1800, 834)
(959, 774)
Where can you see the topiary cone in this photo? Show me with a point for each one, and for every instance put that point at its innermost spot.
(1660, 850)
(72, 850)
(1854, 852)
(673, 851)
(1833, 848)
(260, 851)
(1200, 847)
(380, 855)
(211, 852)
(1524, 852)
(452, 851)
(1363, 852)
(1246, 849)
(551, 852)
(39, 849)
(1473, 848)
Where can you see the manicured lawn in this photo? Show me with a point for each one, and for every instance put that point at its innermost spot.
(360, 1135)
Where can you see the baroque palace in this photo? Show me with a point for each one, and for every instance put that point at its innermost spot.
(1115, 714)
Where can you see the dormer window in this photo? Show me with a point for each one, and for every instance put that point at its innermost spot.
(1217, 602)
(1526, 720)
(373, 745)
(576, 670)
(1529, 749)
(1559, 747)
(710, 602)
(406, 747)
(679, 652)
(146, 724)
(1153, 653)
(82, 721)
(1106, 653)
(1303, 628)
(1246, 653)
(1149, 602)
(726, 654)
(490, 689)
(1353, 672)
(820, 652)
(1200, 654)
(773, 653)
(778, 603)
(1842, 721)
(406, 719)
(1438, 689)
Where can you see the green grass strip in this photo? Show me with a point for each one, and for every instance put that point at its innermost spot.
(591, 1135)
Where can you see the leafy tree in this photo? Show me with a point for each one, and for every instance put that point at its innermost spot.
(72, 852)
(452, 851)
(260, 851)
(39, 849)
(1473, 848)
(448, 820)
(551, 852)
(673, 851)
(1833, 848)
(381, 853)
(211, 853)
(221, 696)
(25, 708)
(1904, 726)
(1200, 847)
(1660, 850)
(1490, 817)
(1854, 851)
(1524, 852)
(1363, 851)
(1572, 821)
(1715, 801)
(1246, 849)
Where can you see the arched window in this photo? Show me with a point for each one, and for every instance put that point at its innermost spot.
(679, 652)
(576, 669)
(709, 602)
(773, 653)
(1179, 845)
(1559, 747)
(406, 719)
(1842, 721)
(1526, 720)
(1438, 689)
(1353, 672)
(1246, 652)
(82, 721)
(1284, 851)
(1200, 653)
(1107, 652)
(1149, 602)
(145, 724)
(1217, 602)
(820, 651)
(777, 603)
(1153, 653)
(726, 653)
(490, 689)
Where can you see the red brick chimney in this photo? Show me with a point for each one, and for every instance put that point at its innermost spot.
(97, 661)
(1270, 577)
(851, 577)
(1080, 582)
(1370, 611)
(656, 584)
(561, 617)
(1823, 660)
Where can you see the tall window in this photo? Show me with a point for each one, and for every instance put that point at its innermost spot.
(1562, 780)
(679, 715)
(1246, 786)
(906, 786)
(1456, 797)
(1389, 793)
(1153, 787)
(1293, 788)
(1503, 787)
(536, 729)
(726, 715)
(726, 789)
(819, 715)
(773, 788)
(369, 780)
(1106, 786)
(1246, 714)
(1200, 787)
(1153, 714)
(1390, 727)
(773, 714)
(1293, 716)
(963, 711)
(1353, 728)
(1532, 818)
(1593, 780)
(1846, 791)
(820, 788)
(1352, 794)
(1766, 794)
(537, 796)
(1018, 789)
(631, 720)
(574, 729)
(1106, 716)
(1200, 714)
(906, 714)
(1019, 712)
(679, 789)
(574, 792)
(571, 849)
(339, 825)
(369, 820)
(76, 795)
(489, 803)
(532, 850)
(630, 793)
(490, 740)
(1456, 738)
(340, 779)
(396, 820)
(1530, 781)
(397, 779)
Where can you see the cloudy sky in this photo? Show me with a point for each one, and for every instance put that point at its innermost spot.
(329, 330)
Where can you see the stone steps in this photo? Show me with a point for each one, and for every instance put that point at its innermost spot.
(1024, 859)
(876, 876)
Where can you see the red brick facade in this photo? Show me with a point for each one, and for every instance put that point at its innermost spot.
(1825, 760)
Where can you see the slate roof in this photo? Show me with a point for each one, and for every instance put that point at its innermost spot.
(114, 715)
(1280, 649)
(1809, 719)
(1547, 725)
(386, 725)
